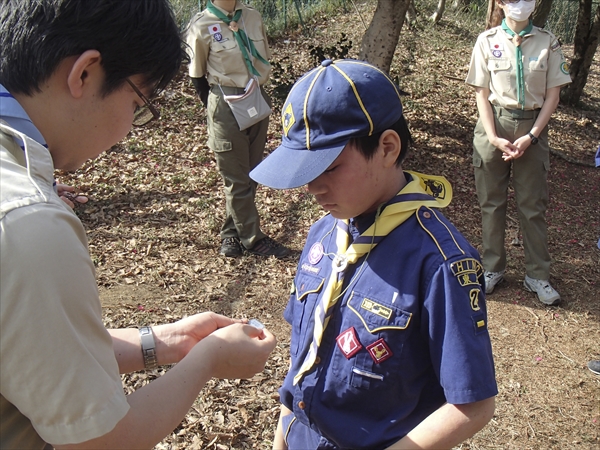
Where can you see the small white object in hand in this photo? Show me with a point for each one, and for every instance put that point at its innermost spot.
(256, 324)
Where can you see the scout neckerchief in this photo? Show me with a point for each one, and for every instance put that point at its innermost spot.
(242, 39)
(517, 39)
(422, 190)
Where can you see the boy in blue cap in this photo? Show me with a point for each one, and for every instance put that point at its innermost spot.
(389, 345)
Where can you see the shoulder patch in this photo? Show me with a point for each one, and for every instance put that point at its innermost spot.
(555, 45)
(467, 271)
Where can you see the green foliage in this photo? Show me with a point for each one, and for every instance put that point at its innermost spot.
(278, 15)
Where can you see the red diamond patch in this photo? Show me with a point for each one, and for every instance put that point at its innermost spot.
(379, 351)
(348, 342)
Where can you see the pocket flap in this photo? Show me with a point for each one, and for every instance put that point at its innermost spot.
(219, 145)
(499, 64)
(377, 315)
(307, 284)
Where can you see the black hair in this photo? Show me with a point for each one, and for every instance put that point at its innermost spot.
(367, 145)
(134, 37)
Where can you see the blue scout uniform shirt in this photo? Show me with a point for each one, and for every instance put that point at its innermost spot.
(409, 334)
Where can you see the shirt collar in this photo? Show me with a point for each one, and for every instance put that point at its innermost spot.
(16, 117)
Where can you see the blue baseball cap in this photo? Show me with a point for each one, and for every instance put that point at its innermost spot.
(333, 103)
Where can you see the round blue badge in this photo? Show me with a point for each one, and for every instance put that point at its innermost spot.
(316, 253)
(218, 37)
(497, 53)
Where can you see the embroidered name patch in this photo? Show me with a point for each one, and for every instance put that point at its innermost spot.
(376, 308)
(379, 351)
(466, 271)
(311, 269)
(348, 342)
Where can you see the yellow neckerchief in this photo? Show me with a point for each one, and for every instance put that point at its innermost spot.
(423, 190)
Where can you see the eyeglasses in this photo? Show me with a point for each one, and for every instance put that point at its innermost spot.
(143, 114)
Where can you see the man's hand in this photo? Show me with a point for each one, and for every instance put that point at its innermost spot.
(184, 334)
(238, 351)
(521, 145)
(67, 194)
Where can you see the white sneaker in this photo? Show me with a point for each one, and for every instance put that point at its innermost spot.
(492, 279)
(546, 293)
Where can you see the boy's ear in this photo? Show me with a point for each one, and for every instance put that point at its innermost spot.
(88, 63)
(390, 145)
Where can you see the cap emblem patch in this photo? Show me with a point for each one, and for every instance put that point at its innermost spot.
(288, 119)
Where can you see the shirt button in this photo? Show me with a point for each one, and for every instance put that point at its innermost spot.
(317, 360)
(427, 215)
(301, 405)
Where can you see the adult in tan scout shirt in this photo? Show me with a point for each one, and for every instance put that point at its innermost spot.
(78, 74)
(229, 46)
(517, 70)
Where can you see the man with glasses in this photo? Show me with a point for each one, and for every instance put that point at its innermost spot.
(80, 73)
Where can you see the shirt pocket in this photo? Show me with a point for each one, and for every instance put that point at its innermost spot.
(497, 65)
(308, 288)
(381, 329)
(226, 57)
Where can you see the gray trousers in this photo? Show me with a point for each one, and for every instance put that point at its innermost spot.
(530, 173)
(237, 153)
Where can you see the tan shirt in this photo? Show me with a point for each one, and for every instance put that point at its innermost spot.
(493, 66)
(59, 378)
(215, 52)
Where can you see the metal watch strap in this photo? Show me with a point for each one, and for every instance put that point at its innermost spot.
(534, 140)
(148, 348)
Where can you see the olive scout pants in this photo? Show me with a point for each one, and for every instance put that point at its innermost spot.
(237, 153)
(530, 173)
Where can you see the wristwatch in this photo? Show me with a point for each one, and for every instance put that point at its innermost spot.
(148, 348)
(534, 140)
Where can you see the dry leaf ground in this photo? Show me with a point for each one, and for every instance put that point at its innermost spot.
(156, 207)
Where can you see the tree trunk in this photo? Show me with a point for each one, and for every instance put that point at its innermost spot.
(380, 40)
(587, 34)
(439, 12)
(541, 13)
(411, 14)
(490, 15)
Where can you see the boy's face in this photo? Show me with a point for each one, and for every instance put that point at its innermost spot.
(352, 185)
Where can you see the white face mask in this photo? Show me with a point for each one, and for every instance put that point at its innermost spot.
(519, 12)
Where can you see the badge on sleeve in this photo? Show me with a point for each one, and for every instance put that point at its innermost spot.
(555, 45)
(379, 351)
(564, 67)
(467, 271)
(348, 342)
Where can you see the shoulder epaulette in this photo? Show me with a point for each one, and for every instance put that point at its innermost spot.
(444, 239)
(490, 32)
